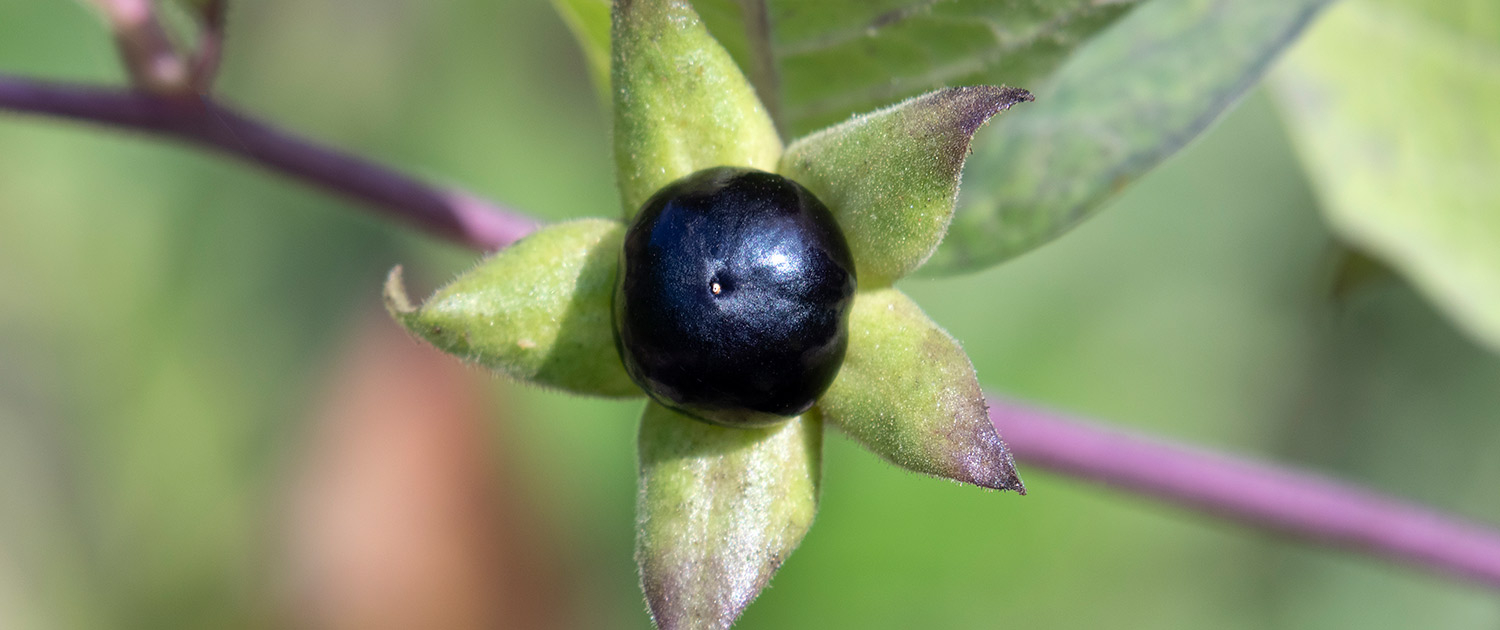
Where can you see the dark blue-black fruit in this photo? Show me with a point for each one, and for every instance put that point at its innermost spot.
(733, 298)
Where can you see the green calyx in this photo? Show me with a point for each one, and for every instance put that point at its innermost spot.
(891, 176)
(681, 104)
(720, 509)
(537, 312)
(908, 393)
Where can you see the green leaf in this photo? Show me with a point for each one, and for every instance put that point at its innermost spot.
(891, 177)
(1125, 102)
(908, 393)
(681, 104)
(589, 22)
(1395, 110)
(742, 28)
(719, 510)
(842, 57)
(538, 311)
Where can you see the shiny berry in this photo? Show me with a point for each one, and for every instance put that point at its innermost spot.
(733, 298)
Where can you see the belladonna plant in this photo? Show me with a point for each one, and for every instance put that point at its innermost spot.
(720, 269)
(721, 507)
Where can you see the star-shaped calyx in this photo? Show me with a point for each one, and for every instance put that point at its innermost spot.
(720, 508)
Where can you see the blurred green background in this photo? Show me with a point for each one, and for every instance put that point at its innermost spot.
(170, 325)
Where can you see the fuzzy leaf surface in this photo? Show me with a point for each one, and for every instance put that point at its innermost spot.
(1124, 102)
(719, 510)
(680, 103)
(838, 58)
(1394, 107)
(538, 311)
(908, 393)
(891, 177)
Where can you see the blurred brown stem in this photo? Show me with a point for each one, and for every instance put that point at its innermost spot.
(205, 65)
(150, 58)
(402, 510)
(1302, 504)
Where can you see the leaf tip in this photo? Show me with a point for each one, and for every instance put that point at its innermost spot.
(996, 470)
(975, 451)
(990, 467)
(669, 605)
(976, 105)
(396, 301)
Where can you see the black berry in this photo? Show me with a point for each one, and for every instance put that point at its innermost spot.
(733, 299)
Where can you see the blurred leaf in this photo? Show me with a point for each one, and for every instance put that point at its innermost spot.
(680, 103)
(842, 57)
(1395, 109)
(538, 311)
(1125, 102)
(823, 61)
(719, 510)
(589, 22)
(908, 393)
(890, 177)
(1355, 271)
(743, 28)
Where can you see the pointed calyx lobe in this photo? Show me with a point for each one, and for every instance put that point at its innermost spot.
(538, 311)
(680, 103)
(908, 392)
(891, 176)
(719, 510)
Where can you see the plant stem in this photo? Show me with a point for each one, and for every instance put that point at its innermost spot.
(1301, 504)
(196, 120)
(205, 60)
(148, 54)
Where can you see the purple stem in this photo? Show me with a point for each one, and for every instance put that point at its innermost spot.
(1301, 504)
(196, 120)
